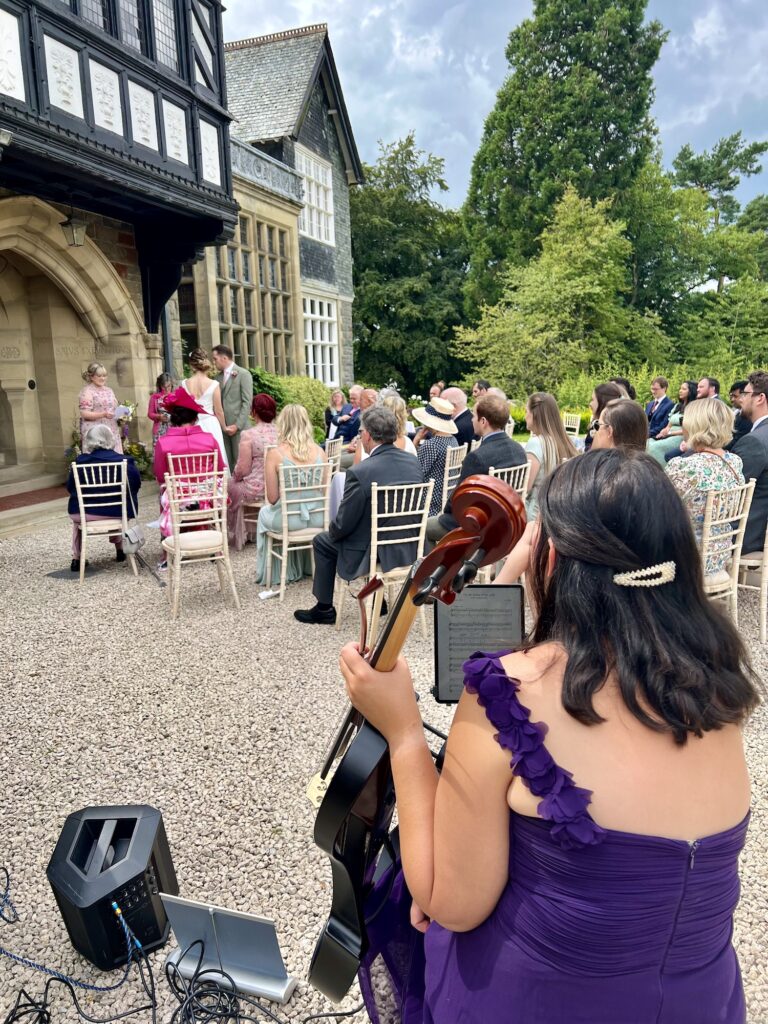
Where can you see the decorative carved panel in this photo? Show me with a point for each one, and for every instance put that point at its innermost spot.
(209, 143)
(64, 88)
(254, 166)
(11, 76)
(143, 118)
(107, 105)
(175, 120)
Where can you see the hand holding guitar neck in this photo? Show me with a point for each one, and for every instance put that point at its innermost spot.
(358, 799)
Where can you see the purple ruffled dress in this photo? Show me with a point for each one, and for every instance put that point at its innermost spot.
(594, 926)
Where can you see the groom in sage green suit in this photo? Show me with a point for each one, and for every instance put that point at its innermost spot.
(236, 396)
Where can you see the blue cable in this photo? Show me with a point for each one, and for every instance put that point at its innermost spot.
(9, 914)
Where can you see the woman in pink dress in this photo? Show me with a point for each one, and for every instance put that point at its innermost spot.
(98, 404)
(247, 484)
(156, 411)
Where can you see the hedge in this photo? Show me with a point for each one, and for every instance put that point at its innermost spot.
(306, 391)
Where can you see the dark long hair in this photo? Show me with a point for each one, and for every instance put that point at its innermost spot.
(605, 393)
(693, 387)
(680, 663)
(628, 423)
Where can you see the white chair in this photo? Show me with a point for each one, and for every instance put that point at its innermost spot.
(197, 503)
(572, 423)
(99, 485)
(454, 457)
(722, 536)
(510, 428)
(515, 476)
(295, 483)
(333, 451)
(475, 444)
(398, 516)
(756, 562)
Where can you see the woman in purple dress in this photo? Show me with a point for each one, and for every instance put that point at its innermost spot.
(576, 862)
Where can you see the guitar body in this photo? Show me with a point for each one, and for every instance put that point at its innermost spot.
(351, 825)
(355, 816)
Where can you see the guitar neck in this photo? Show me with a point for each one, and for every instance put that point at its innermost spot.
(391, 640)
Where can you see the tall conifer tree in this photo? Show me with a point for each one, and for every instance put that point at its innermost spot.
(574, 109)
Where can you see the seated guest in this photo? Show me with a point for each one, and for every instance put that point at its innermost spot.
(437, 389)
(437, 435)
(334, 408)
(621, 424)
(708, 387)
(99, 447)
(601, 396)
(346, 548)
(247, 484)
(183, 437)
(708, 428)
(577, 858)
(496, 450)
(347, 420)
(549, 445)
(752, 449)
(368, 398)
(624, 384)
(480, 388)
(462, 416)
(296, 449)
(668, 438)
(659, 409)
(497, 393)
(741, 424)
(391, 399)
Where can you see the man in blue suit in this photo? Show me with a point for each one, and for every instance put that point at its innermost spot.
(659, 409)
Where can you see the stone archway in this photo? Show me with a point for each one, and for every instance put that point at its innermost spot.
(60, 308)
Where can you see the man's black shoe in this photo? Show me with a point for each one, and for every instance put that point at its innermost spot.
(120, 555)
(317, 616)
(384, 608)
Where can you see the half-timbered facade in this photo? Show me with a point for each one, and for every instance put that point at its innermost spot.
(113, 119)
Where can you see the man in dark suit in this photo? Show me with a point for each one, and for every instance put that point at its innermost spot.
(462, 417)
(346, 547)
(752, 449)
(659, 409)
(489, 418)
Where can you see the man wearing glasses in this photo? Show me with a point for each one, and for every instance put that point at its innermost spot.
(752, 449)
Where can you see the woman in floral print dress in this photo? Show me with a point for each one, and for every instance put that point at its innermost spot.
(708, 427)
(98, 405)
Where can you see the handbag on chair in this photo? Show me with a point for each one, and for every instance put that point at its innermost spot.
(133, 537)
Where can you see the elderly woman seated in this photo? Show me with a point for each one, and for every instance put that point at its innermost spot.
(99, 448)
(707, 427)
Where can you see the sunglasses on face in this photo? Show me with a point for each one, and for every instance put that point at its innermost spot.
(600, 425)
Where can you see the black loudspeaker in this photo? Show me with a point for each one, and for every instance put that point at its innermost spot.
(112, 853)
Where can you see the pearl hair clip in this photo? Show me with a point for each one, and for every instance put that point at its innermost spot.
(653, 576)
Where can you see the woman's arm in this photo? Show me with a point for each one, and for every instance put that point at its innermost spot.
(244, 463)
(535, 467)
(271, 476)
(454, 833)
(218, 408)
(519, 557)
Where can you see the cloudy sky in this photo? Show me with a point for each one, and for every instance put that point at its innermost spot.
(435, 67)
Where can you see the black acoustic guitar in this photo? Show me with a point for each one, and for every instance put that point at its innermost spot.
(358, 798)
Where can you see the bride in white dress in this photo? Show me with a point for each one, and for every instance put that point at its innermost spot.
(208, 394)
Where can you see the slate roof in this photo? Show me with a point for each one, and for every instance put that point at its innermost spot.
(270, 81)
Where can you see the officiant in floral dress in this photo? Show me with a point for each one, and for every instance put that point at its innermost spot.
(98, 405)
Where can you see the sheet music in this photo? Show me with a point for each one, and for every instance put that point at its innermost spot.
(482, 618)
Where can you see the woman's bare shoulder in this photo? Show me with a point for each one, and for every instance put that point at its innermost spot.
(536, 665)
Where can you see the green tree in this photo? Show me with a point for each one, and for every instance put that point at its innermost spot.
(717, 173)
(575, 109)
(409, 266)
(754, 220)
(732, 324)
(565, 310)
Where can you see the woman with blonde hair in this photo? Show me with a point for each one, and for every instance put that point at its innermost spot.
(207, 393)
(549, 445)
(334, 408)
(708, 427)
(98, 405)
(296, 449)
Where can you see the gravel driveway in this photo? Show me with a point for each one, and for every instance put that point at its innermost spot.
(218, 720)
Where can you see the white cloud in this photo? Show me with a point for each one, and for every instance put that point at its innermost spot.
(709, 31)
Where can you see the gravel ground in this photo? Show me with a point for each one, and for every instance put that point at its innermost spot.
(218, 720)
